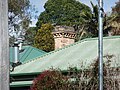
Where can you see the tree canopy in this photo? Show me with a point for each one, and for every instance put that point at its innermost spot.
(116, 8)
(29, 36)
(20, 13)
(62, 12)
(90, 25)
(113, 21)
(44, 39)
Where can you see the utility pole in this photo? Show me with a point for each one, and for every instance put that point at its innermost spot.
(100, 42)
(4, 46)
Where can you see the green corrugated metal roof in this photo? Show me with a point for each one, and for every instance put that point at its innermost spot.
(29, 53)
(21, 83)
(80, 54)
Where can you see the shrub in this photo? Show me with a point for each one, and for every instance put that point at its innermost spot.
(74, 79)
(50, 80)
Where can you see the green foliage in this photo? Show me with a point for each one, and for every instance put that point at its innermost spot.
(113, 21)
(116, 11)
(18, 10)
(11, 41)
(44, 39)
(29, 36)
(20, 13)
(62, 12)
(18, 6)
(91, 23)
(88, 28)
(116, 8)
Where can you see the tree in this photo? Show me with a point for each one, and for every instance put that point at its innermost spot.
(62, 12)
(113, 21)
(89, 27)
(29, 36)
(44, 39)
(20, 13)
(116, 8)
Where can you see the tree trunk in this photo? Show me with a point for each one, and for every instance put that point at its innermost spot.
(4, 46)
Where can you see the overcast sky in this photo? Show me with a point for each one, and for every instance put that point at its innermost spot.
(108, 4)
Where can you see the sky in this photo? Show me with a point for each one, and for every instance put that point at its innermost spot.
(107, 4)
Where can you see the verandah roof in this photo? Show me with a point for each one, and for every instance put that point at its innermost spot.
(80, 54)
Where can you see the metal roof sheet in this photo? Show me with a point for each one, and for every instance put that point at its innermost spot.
(29, 53)
(80, 54)
(21, 83)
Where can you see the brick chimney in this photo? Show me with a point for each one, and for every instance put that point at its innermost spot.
(63, 36)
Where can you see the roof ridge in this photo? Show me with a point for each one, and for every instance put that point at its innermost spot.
(87, 39)
(38, 49)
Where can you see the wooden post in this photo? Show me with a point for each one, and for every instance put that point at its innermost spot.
(4, 46)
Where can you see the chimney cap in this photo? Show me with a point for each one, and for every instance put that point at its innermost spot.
(63, 28)
(16, 44)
